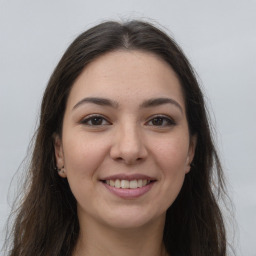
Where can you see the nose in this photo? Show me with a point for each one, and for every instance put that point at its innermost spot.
(128, 145)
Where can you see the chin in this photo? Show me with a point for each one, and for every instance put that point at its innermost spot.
(133, 219)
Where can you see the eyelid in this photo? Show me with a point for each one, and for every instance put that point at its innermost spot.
(91, 116)
(165, 117)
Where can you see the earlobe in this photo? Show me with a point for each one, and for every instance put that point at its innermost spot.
(59, 155)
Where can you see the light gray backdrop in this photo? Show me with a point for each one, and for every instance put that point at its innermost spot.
(219, 37)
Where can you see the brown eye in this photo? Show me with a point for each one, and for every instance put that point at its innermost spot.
(161, 121)
(95, 121)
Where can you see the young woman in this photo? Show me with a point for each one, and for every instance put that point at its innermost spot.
(123, 161)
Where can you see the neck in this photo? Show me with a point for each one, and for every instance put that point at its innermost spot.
(95, 239)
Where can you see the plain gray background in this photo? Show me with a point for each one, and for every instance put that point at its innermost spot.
(219, 38)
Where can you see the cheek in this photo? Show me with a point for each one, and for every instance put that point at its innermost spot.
(172, 154)
(171, 157)
(171, 160)
(83, 155)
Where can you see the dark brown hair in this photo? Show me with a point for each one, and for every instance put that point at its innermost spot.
(47, 222)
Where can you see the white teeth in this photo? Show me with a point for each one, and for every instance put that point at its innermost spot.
(117, 184)
(133, 184)
(127, 184)
(144, 183)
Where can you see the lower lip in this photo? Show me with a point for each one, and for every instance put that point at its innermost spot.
(129, 193)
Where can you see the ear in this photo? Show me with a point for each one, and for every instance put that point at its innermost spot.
(191, 152)
(59, 155)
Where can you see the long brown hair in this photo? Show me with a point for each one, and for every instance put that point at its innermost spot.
(47, 223)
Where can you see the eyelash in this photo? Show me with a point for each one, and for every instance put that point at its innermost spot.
(96, 118)
(168, 121)
(103, 121)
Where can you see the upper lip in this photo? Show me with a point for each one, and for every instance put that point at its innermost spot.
(129, 177)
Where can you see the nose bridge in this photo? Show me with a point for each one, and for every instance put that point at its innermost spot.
(129, 145)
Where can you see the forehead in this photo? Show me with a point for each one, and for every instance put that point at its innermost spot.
(125, 75)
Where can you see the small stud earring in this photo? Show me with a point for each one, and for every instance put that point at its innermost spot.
(192, 164)
(61, 169)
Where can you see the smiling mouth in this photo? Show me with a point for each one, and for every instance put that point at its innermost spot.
(128, 184)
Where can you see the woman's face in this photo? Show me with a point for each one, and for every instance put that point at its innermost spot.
(125, 145)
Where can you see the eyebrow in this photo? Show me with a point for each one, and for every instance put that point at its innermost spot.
(160, 101)
(146, 104)
(97, 101)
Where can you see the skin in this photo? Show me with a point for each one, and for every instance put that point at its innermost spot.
(129, 137)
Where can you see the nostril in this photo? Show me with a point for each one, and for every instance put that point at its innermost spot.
(129, 161)
(124, 150)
